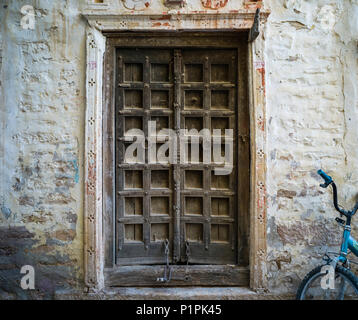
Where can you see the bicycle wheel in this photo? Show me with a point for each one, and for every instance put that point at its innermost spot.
(345, 286)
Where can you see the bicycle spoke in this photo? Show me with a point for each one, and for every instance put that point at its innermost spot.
(344, 288)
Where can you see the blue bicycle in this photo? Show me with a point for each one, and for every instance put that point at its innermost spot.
(333, 280)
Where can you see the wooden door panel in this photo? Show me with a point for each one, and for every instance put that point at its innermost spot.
(144, 191)
(208, 215)
(186, 203)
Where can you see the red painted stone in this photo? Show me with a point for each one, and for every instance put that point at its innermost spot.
(214, 4)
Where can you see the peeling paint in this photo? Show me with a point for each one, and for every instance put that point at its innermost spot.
(6, 211)
(77, 174)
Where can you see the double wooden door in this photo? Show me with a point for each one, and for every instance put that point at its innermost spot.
(184, 204)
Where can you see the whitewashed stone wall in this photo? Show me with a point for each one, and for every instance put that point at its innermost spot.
(41, 158)
(312, 110)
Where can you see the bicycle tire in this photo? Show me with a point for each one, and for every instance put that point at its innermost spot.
(314, 273)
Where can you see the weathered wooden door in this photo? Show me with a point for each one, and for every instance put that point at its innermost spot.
(185, 203)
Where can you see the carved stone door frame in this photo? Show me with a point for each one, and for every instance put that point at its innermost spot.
(94, 205)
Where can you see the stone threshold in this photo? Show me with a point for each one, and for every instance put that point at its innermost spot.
(174, 293)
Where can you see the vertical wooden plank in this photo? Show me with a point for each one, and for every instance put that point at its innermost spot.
(207, 125)
(110, 94)
(243, 172)
(119, 130)
(146, 171)
(177, 167)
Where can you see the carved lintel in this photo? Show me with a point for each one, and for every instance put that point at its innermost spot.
(255, 29)
(110, 20)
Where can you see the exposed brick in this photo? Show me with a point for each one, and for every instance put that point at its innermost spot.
(286, 193)
(14, 233)
(64, 235)
(310, 234)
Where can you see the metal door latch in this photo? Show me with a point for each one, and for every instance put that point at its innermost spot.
(167, 269)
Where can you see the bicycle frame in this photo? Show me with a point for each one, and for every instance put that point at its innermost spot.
(348, 242)
(353, 245)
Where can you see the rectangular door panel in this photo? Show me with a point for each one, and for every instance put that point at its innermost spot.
(144, 190)
(208, 201)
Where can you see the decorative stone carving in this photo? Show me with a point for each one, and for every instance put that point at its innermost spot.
(175, 21)
(214, 4)
(260, 153)
(93, 163)
(136, 4)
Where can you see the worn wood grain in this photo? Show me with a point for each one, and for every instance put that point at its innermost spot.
(181, 276)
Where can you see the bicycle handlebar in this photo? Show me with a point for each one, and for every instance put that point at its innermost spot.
(335, 200)
(328, 180)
